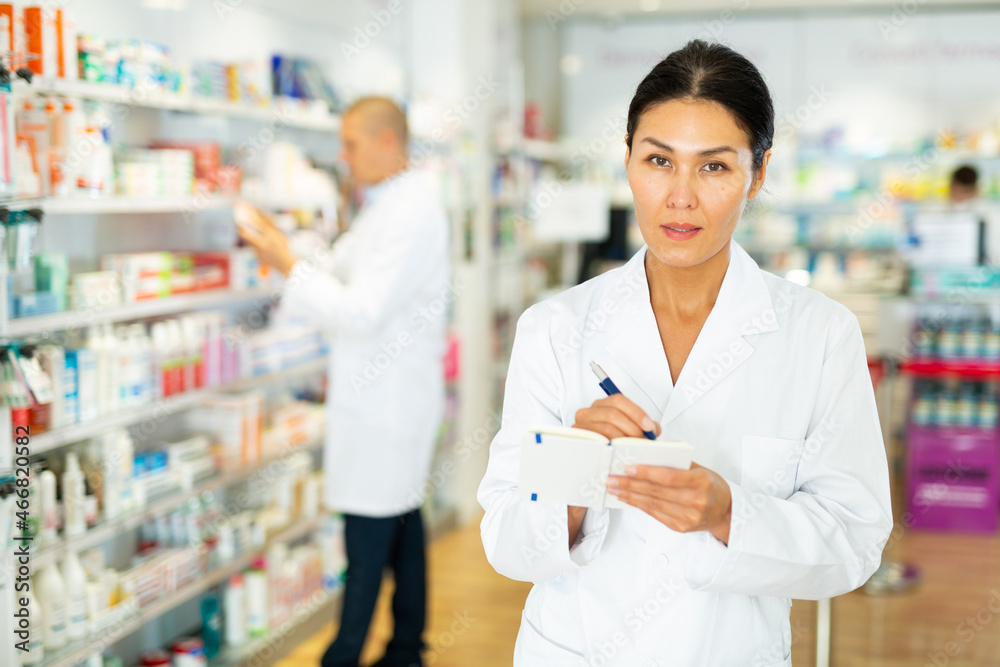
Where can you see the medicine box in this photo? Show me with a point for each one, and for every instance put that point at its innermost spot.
(953, 478)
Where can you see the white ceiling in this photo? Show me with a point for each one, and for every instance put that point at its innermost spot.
(613, 8)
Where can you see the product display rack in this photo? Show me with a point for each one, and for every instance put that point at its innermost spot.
(72, 319)
(44, 442)
(277, 114)
(77, 652)
(306, 621)
(286, 114)
(318, 611)
(108, 529)
(191, 203)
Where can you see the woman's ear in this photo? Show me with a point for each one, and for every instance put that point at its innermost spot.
(758, 177)
(628, 151)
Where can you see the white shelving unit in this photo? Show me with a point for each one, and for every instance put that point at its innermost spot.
(108, 529)
(56, 438)
(307, 620)
(283, 112)
(73, 319)
(78, 651)
(187, 204)
(278, 114)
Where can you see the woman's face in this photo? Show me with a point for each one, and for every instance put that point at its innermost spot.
(691, 173)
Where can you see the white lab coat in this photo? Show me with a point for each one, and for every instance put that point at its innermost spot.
(382, 293)
(775, 397)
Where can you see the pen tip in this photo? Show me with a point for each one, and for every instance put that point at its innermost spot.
(597, 370)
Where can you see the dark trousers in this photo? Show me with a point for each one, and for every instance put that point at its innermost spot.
(372, 545)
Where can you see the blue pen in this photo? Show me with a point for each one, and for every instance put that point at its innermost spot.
(609, 388)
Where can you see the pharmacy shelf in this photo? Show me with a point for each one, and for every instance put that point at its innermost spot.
(191, 203)
(73, 319)
(943, 368)
(108, 529)
(546, 151)
(121, 204)
(752, 247)
(284, 113)
(308, 619)
(78, 651)
(161, 409)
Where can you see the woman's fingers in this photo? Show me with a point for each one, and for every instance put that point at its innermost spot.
(684, 500)
(675, 516)
(607, 419)
(634, 412)
(250, 235)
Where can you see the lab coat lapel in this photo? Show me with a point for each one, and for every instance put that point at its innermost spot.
(635, 342)
(743, 307)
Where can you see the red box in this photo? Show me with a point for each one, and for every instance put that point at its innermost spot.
(211, 270)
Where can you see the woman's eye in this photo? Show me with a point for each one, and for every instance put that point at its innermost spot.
(659, 161)
(715, 167)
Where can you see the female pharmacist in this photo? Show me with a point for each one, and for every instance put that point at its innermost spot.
(767, 380)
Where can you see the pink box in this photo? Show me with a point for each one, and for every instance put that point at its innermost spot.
(953, 478)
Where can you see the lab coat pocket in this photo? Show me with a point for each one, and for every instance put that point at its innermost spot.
(532, 649)
(769, 465)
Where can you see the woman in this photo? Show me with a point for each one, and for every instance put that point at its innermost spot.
(767, 380)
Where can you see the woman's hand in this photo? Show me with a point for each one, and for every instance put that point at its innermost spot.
(682, 500)
(266, 239)
(615, 417)
(612, 417)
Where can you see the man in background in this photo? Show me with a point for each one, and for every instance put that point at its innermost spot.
(964, 185)
(374, 292)
(963, 196)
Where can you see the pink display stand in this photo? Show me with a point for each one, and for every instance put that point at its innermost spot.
(953, 478)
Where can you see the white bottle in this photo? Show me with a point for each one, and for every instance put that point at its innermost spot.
(123, 365)
(74, 127)
(47, 531)
(74, 490)
(256, 594)
(97, 600)
(36, 631)
(50, 591)
(235, 611)
(76, 596)
(130, 498)
(96, 177)
(111, 482)
(142, 358)
(225, 546)
(95, 341)
(161, 359)
(111, 388)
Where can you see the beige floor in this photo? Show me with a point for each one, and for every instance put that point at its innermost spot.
(949, 611)
(473, 613)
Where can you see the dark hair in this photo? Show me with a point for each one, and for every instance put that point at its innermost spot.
(965, 175)
(714, 73)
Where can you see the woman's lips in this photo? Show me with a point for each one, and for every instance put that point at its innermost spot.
(680, 232)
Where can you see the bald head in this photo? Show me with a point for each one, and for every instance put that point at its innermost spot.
(373, 139)
(381, 113)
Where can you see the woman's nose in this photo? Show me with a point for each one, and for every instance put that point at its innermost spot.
(682, 191)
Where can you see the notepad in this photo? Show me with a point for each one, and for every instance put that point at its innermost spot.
(570, 466)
